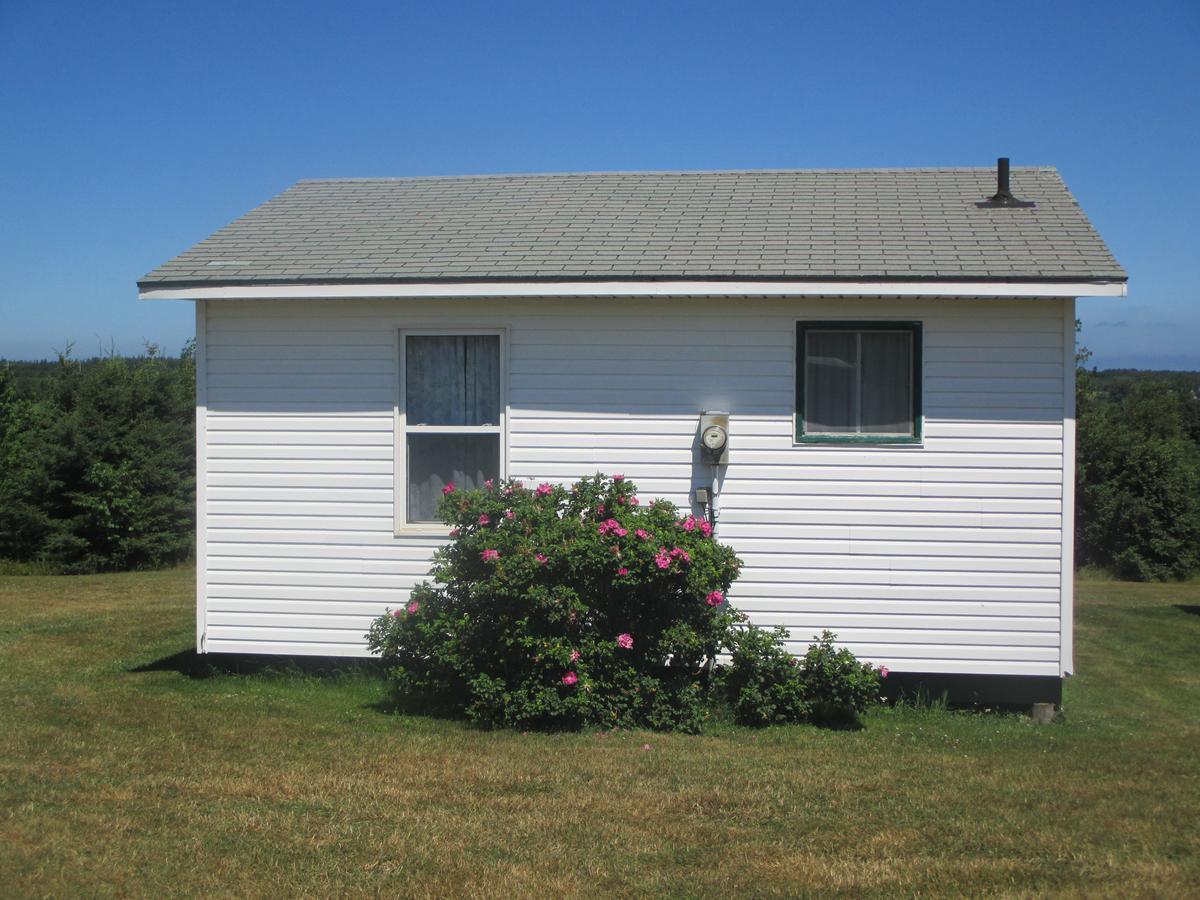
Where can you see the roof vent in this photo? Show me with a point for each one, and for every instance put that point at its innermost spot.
(1003, 198)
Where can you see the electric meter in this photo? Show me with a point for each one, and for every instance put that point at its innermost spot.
(714, 437)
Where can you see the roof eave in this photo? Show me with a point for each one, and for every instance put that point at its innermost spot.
(889, 287)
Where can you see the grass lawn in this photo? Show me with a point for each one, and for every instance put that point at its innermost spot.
(119, 778)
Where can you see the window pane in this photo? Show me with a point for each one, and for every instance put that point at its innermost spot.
(434, 460)
(830, 382)
(887, 382)
(452, 380)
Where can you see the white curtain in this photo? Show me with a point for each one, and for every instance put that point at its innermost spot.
(452, 380)
(435, 460)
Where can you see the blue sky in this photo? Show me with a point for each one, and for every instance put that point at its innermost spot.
(132, 130)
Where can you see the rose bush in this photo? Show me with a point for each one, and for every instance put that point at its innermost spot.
(558, 607)
(563, 607)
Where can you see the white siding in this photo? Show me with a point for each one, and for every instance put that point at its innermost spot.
(944, 557)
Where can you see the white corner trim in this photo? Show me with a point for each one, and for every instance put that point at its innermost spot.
(201, 361)
(642, 289)
(1066, 645)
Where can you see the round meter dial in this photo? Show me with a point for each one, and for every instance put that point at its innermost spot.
(713, 437)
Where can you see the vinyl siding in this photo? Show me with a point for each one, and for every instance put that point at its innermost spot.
(942, 557)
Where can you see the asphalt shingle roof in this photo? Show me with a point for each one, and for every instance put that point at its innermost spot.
(802, 225)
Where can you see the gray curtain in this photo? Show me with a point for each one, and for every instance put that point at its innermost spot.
(858, 382)
(831, 382)
(452, 380)
(887, 382)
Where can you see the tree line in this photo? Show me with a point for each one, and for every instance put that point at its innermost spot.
(97, 462)
(1137, 491)
(97, 466)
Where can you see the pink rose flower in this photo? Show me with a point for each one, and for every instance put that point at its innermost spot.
(542, 558)
(715, 598)
(620, 532)
(484, 519)
(600, 509)
(625, 641)
(489, 484)
(622, 571)
(662, 559)
(643, 534)
(490, 555)
(680, 553)
(544, 488)
(570, 678)
(689, 524)
(454, 532)
(448, 489)
(398, 613)
(634, 501)
(883, 671)
(508, 514)
(706, 529)
(413, 607)
(574, 656)
(618, 478)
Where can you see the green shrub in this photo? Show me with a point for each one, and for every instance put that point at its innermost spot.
(560, 608)
(838, 686)
(766, 685)
(763, 682)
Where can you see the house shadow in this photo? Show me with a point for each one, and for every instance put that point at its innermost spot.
(1190, 608)
(198, 666)
(185, 662)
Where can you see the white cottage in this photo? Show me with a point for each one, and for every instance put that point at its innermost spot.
(894, 349)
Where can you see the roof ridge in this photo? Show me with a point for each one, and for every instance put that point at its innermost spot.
(660, 172)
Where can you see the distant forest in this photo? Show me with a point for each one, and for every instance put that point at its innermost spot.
(1117, 384)
(97, 466)
(27, 377)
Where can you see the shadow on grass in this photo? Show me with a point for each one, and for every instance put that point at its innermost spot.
(838, 724)
(191, 664)
(1189, 608)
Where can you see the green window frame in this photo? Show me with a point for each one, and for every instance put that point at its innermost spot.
(858, 436)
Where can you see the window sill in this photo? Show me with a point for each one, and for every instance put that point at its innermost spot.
(856, 440)
(428, 531)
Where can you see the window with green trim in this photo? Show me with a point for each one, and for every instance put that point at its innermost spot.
(858, 381)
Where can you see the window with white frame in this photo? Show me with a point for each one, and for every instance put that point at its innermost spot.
(858, 382)
(450, 417)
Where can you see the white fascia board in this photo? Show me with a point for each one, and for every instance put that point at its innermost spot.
(641, 289)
